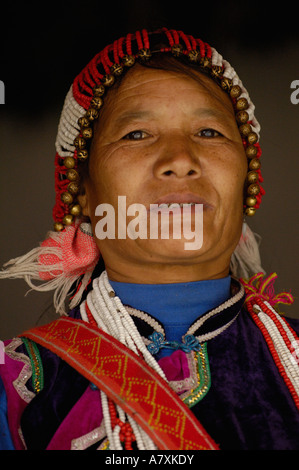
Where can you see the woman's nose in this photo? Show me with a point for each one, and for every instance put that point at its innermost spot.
(178, 158)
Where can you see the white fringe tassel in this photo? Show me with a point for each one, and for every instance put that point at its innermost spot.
(29, 268)
(246, 260)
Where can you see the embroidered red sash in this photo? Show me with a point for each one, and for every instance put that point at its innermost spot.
(127, 380)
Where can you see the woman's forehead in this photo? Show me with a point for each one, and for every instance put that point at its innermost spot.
(143, 88)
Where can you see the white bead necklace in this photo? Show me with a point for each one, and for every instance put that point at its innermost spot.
(113, 318)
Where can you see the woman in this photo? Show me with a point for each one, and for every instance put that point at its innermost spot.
(157, 123)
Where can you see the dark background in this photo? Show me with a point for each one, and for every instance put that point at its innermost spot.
(45, 45)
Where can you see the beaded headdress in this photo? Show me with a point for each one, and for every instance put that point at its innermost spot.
(69, 255)
(87, 95)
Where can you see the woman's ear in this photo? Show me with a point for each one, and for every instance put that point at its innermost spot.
(83, 201)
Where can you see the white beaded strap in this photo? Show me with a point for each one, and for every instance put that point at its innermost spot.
(285, 355)
(68, 126)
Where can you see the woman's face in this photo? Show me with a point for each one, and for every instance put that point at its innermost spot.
(164, 137)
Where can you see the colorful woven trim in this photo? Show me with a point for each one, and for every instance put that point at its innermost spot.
(256, 286)
(36, 365)
(203, 378)
(127, 381)
(282, 340)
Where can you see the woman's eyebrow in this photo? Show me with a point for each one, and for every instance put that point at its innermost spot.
(130, 116)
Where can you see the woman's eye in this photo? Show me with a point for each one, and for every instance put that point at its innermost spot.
(209, 133)
(135, 135)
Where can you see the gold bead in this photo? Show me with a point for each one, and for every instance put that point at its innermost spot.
(87, 132)
(250, 211)
(108, 80)
(177, 50)
(254, 164)
(98, 90)
(226, 83)
(242, 104)
(66, 198)
(128, 60)
(144, 54)
(58, 226)
(69, 162)
(67, 219)
(83, 121)
(75, 210)
(251, 151)
(82, 154)
(80, 143)
(235, 91)
(205, 62)
(253, 189)
(92, 114)
(242, 117)
(96, 102)
(116, 70)
(250, 201)
(73, 187)
(252, 138)
(252, 177)
(72, 175)
(194, 55)
(216, 71)
(245, 129)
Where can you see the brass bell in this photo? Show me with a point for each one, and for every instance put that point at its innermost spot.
(252, 177)
(254, 164)
(245, 129)
(67, 219)
(72, 175)
(235, 91)
(252, 138)
(241, 104)
(128, 60)
(108, 80)
(116, 70)
(80, 143)
(193, 55)
(205, 62)
(75, 210)
(87, 132)
(82, 154)
(69, 162)
(96, 102)
(253, 189)
(250, 201)
(251, 151)
(73, 187)
(144, 54)
(66, 197)
(177, 50)
(83, 121)
(98, 90)
(242, 117)
(92, 114)
(226, 83)
(250, 211)
(58, 226)
(216, 71)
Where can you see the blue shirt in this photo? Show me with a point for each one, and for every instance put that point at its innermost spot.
(177, 305)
